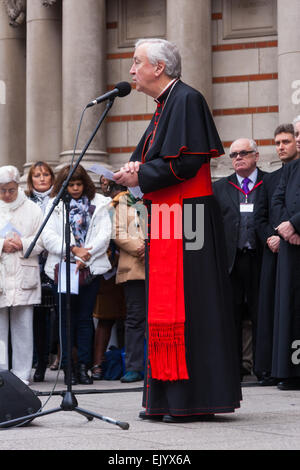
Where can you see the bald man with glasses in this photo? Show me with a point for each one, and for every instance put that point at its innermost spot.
(237, 195)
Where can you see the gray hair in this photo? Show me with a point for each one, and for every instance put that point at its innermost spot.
(8, 174)
(162, 50)
(253, 144)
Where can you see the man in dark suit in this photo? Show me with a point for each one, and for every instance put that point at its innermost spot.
(237, 195)
(285, 216)
(286, 149)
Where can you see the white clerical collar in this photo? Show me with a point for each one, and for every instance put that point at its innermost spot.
(169, 85)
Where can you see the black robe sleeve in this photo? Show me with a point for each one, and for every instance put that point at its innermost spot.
(263, 226)
(185, 138)
(279, 212)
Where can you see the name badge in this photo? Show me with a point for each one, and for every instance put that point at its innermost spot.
(245, 207)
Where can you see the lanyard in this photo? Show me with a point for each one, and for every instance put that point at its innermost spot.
(242, 191)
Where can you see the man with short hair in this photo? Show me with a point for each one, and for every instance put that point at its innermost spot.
(285, 145)
(192, 369)
(285, 216)
(237, 195)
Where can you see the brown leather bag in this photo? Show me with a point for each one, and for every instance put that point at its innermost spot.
(85, 276)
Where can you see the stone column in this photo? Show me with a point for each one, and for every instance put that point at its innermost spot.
(84, 77)
(288, 59)
(12, 91)
(43, 109)
(189, 26)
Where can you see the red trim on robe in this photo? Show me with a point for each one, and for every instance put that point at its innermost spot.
(213, 153)
(181, 179)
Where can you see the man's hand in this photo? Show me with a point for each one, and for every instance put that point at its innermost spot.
(285, 230)
(295, 239)
(128, 175)
(273, 243)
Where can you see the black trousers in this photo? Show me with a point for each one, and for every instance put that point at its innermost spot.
(82, 325)
(245, 288)
(135, 325)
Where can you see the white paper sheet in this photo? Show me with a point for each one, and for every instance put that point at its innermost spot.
(8, 230)
(101, 170)
(62, 279)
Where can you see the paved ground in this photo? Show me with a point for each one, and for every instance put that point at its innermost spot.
(268, 419)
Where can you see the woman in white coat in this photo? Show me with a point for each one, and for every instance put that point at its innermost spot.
(20, 286)
(90, 236)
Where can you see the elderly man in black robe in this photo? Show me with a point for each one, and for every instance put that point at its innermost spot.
(192, 367)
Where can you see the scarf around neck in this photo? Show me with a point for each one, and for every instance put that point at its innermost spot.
(7, 209)
(41, 199)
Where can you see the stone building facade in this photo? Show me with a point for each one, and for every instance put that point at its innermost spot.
(57, 55)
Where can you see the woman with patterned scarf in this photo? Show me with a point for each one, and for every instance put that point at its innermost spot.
(90, 237)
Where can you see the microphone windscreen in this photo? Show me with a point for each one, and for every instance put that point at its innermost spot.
(124, 88)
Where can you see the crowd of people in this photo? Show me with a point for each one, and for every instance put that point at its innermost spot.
(263, 253)
(30, 287)
(190, 300)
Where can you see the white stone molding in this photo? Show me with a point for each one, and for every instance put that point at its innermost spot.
(140, 20)
(249, 18)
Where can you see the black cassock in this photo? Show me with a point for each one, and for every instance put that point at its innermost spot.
(286, 207)
(179, 140)
(266, 303)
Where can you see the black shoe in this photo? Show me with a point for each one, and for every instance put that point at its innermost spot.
(39, 374)
(188, 419)
(143, 415)
(268, 381)
(83, 376)
(74, 379)
(289, 384)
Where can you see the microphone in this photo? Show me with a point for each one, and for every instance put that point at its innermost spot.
(121, 89)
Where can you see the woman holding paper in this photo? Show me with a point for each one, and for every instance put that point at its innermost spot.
(20, 286)
(90, 237)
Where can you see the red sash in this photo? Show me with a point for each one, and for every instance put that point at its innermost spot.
(166, 305)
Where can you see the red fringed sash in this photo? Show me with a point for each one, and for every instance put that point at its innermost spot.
(166, 306)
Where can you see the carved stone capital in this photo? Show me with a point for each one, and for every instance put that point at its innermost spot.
(16, 10)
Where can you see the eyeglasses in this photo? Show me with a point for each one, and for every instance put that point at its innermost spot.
(9, 191)
(242, 153)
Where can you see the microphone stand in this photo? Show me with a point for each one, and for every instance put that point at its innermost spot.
(69, 402)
